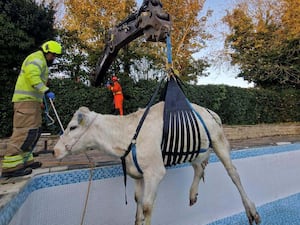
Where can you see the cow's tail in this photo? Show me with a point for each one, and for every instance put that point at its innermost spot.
(215, 117)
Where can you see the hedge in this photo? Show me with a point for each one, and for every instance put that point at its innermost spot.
(235, 106)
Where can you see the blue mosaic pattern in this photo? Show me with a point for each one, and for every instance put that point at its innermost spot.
(259, 151)
(55, 179)
(280, 212)
(77, 176)
(251, 152)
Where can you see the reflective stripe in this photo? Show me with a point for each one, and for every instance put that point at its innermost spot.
(117, 93)
(30, 93)
(36, 63)
(11, 164)
(43, 74)
(39, 86)
(12, 158)
(12, 161)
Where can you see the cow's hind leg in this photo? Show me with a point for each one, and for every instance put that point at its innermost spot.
(222, 150)
(198, 166)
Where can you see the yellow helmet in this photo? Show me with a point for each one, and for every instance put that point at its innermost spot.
(52, 46)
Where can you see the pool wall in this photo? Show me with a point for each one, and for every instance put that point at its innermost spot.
(269, 175)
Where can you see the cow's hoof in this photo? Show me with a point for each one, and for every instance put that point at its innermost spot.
(193, 200)
(255, 219)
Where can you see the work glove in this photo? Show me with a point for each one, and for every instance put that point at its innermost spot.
(50, 95)
(108, 84)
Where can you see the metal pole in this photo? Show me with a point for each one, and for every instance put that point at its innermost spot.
(60, 124)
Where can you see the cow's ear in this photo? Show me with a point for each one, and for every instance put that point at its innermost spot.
(80, 119)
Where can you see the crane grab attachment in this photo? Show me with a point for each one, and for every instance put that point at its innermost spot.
(150, 20)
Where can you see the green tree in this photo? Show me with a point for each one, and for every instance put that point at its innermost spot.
(24, 26)
(91, 19)
(92, 25)
(265, 39)
(89, 22)
(74, 61)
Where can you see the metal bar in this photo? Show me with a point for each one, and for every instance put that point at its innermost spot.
(60, 124)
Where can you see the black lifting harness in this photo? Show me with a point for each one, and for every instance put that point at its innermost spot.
(181, 141)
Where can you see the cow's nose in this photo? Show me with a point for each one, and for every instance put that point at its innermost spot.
(56, 153)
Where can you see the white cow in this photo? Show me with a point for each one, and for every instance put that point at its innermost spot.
(113, 134)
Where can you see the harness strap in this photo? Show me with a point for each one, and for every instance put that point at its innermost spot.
(180, 83)
(169, 49)
(133, 150)
(146, 111)
(124, 171)
(204, 125)
(132, 146)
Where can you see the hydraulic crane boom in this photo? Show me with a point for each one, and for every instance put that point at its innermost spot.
(150, 20)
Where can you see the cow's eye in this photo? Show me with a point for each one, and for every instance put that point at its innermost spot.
(73, 128)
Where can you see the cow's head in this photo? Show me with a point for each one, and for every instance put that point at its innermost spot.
(77, 136)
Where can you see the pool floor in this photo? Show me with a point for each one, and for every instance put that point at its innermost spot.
(270, 177)
(285, 211)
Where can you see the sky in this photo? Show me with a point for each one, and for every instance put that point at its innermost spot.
(224, 73)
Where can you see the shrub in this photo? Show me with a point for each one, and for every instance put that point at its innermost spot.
(234, 105)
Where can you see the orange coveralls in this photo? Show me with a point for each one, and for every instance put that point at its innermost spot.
(118, 96)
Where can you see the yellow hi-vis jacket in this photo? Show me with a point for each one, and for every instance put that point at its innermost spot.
(31, 83)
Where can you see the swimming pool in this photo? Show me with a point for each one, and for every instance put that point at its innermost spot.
(270, 176)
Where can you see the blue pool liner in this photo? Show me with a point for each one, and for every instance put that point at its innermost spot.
(290, 214)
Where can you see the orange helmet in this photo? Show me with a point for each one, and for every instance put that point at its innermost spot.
(114, 78)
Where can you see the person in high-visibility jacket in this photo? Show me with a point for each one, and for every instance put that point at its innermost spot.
(116, 89)
(28, 96)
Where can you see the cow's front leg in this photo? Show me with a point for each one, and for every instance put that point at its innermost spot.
(199, 165)
(151, 182)
(138, 196)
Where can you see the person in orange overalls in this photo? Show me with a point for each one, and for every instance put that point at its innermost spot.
(116, 89)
